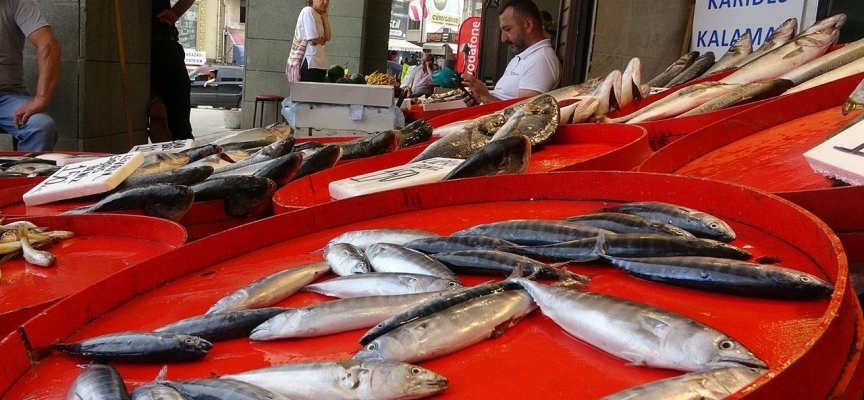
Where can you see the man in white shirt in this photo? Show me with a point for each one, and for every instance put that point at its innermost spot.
(534, 70)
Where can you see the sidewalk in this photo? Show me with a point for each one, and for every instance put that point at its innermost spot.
(208, 125)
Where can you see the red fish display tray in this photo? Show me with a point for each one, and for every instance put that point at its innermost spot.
(812, 347)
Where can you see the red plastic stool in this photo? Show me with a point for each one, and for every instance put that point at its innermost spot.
(264, 99)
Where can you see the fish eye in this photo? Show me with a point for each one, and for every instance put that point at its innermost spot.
(727, 345)
(713, 225)
(451, 284)
(416, 371)
(805, 278)
(372, 346)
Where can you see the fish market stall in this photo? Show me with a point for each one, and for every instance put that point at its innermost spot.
(99, 246)
(806, 344)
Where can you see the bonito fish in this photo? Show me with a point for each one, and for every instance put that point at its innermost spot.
(628, 223)
(826, 63)
(346, 379)
(200, 389)
(786, 58)
(271, 289)
(532, 231)
(696, 222)
(381, 284)
(367, 237)
(782, 35)
(98, 381)
(222, 325)
(715, 384)
(739, 50)
(639, 333)
(673, 70)
(138, 347)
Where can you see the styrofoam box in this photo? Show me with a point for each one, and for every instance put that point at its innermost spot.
(342, 93)
(85, 178)
(328, 116)
(841, 157)
(444, 105)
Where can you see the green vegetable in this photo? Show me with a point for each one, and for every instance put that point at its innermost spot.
(335, 72)
(343, 80)
(358, 79)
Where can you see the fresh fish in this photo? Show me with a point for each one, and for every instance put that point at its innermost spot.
(639, 333)
(222, 325)
(241, 194)
(579, 111)
(212, 389)
(166, 201)
(450, 330)
(307, 146)
(455, 243)
(608, 93)
(673, 70)
(855, 100)
(532, 231)
(696, 69)
(416, 132)
(280, 170)
(52, 156)
(336, 316)
(249, 144)
(138, 347)
(854, 67)
(826, 63)
(461, 144)
(346, 379)
(271, 289)
(215, 161)
(179, 176)
(560, 94)
(627, 223)
(782, 35)
(388, 257)
(538, 121)
(681, 101)
(745, 94)
(319, 160)
(739, 50)
(509, 155)
(727, 276)
(836, 21)
(381, 284)
(785, 58)
(367, 237)
(455, 127)
(372, 145)
(32, 169)
(197, 153)
(40, 258)
(631, 245)
(631, 81)
(696, 222)
(432, 306)
(161, 162)
(715, 384)
(495, 262)
(270, 133)
(155, 391)
(98, 381)
(346, 259)
(274, 150)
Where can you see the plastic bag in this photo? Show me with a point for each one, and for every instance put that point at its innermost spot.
(443, 76)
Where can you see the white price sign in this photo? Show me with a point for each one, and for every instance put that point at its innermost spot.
(85, 178)
(717, 24)
(841, 157)
(164, 147)
(417, 173)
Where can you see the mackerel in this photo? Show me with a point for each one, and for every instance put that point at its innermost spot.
(223, 325)
(367, 237)
(388, 257)
(785, 58)
(627, 223)
(782, 35)
(381, 284)
(639, 333)
(673, 70)
(98, 381)
(715, 384)
(455, 243)
(696, 222)
(739, 50)
(745, 94)
(495, 262)
(826, 63)
(138, 347)
(271, 289)
(345, 259)
(695, 70)
(228, 389)
(532, 231)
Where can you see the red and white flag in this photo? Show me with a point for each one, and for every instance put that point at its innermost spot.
(417, 10)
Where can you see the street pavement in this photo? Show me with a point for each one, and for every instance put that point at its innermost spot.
(208, 125)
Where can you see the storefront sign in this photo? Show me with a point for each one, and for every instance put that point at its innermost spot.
(469, 34)
(446, 36)
(717, 24)
(194, 57)
(399, 20)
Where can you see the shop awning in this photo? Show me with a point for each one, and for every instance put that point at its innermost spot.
(238, 36)
(437, 48)
(403, 45)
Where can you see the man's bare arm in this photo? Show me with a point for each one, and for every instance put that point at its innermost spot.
(48, 50)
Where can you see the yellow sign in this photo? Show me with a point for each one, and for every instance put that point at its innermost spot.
(447, 19)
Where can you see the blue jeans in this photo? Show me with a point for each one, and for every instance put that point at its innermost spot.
(38, 134)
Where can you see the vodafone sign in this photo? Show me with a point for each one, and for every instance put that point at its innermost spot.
(469, 34)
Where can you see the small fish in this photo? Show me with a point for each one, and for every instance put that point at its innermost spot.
(532, 231)
(180, 176)
(372, 145)
(161, 162)
(280, 170)
(627, 223)
(346, 379)
(388, 257)
(276, 149)
(441, 244)
(381, 284)
(855, 100)
(241, 194)
(785, 58)
(138, 347)
(36, 257)
(696, 222)
(740, 49)
(98, 381)
(166, 201)
(345, 259)
(319, 159)
(416, 132)
(197, 153)
(509, 155)
(715, 384)
(781, 35)
(673, 70)
(745, 94)
(496, 262)
(367, 237)
(696, 69)
(222, 325)
(271, 289)
(207, 389)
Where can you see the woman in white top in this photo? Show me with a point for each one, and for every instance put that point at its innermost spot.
(314, 26)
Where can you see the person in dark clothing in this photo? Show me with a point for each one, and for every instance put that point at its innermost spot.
(169, 80)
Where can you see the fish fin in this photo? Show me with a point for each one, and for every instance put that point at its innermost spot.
(562, 270)
(793, 53)
(162, 374)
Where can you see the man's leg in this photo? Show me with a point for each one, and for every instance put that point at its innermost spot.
(38, 134)
(170, 82)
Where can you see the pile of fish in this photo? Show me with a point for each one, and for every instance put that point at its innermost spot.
(243, 173)
(403, 284)
(36, 164)
(25, 238)
(785, 63)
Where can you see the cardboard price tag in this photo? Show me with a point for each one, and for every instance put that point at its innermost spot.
(418, 173)
(85, 178)
(841, 157)
(164, 147)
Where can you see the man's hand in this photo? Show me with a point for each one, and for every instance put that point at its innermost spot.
(478, 90)
(23, 113)
(168, 16)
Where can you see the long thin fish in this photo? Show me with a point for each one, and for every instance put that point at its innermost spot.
(682, 101)
(628, 223)
(782, 35)
(696, 222)
(271, 289)
(532, 231)
(640, 333)
(223, 325)
(388, 257)
(455, 243)
(785, 58)
(715, 384)
(366, 237)
(495, 262)
(739, 50)
(826, 63)
(673, 70)
(381, 284)
(854, 67)
(138, 347)
(745, 94)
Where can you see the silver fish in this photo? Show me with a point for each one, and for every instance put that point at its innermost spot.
(346, 379)
(367, 237)
(713, 384)
(739, 50)
(579, 111)
(509, 155)
(826, 63)
(785, 58)
(532, 231)
(673, 70)
(855, 100)
(854, 67)
(681, 101)
(155, 391)
(222, 325)
(627, 223)
(450, 330)
(608, 93)
(631, 81)
(40, 258)
(836, 21)
(695, 70)
(696, 222)
(98, 381)
(782, 35)
(639, 333)
(381, 284)
(161, 162)
(221, 389)
(271, 289)
(336, 316)
(388, 257)
(745, 94)
(345, 259)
